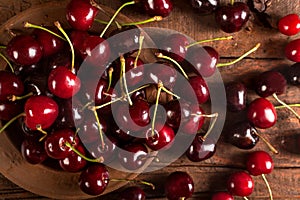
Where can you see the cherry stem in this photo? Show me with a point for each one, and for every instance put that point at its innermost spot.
(215, 118)
(115, 15)
(2, 47)
(97, 160)
(160, 55)
(57, 24)
(160, 86)
(94, 4)
(134, 181)
(39, 128)
(268, 186)
(291, 105)
(245, 198)
(241, 57)
(100, 129)
(15, 98)
(152, 19)
(11, 121)
(110, 73)
(29, 25)
(7, 61)
(286, 106)
(123, 72)
(209, 40)
(86, 106)
(141, 40)
(170, 93)
(272, 148)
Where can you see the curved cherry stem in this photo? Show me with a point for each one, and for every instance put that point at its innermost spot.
(100, 129)
(11, 121)
(40, 129)
(160, 55)
(29, 25)
(57, 24)
(268, 186)
(110, 73)
(134, 181)
(152, 19)
(241, 57)
(15, 98)
(123, 72)
(96, 160)
(141, 41)
(115, 15)
(2, 47)
(271, 147)
(159, 88)
(286, 105)
(209, 40)
(7, 61)
(214, 117)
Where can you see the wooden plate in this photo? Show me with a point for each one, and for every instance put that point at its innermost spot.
(40, 179)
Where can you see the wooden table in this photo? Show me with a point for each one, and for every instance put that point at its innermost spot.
(210, 175)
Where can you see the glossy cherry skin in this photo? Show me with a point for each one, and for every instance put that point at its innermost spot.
(74, 162)
(55, 144)
(40, 111)
(8, 110)
(33, 151)
(292, 50)
(270, 82)
(10, 84)
(76, 37)
(232, 18)
(179, 185)
(24, 50)
(205, 7)
(133, 156)
(175, 46)
(236, 93)
(222, 196)
(94, 179)
(201, 150)
(63, 83)
(157, 7)
(132, 193)
(293, 74)
(240, 184)
(261, 113)
(81, 14)
(259, 162)
(242, 135)
(289, 25)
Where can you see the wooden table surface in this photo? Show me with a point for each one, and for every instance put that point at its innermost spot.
(210, 175)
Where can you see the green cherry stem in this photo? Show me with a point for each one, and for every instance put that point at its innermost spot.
(134, 181)
(100, 129)
(241, 57)
(7, 61)
(110, 73)
(152, 19)
(57, 24)
(39, 128)
(2, 47)
(170, 93)
(97, 160)
(214, 117)
(286, 106)
(268, 186)
(15, 98)
(267, 143)
(160, 55)
(141, 41)
(159, 88)
(123, 67)
(209, 40)
(11, 121)
(115, 15)
(291, 105)
(29, 25)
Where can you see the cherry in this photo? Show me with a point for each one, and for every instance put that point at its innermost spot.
(201, 149)
(222, 196)
(120, 135)
(10, 84)
(63, 83)
(205, 7)
(76, 37)
(73, 162)
(8, 110)
(62, 58)
(289, 24)
(132, 193)
(240, 184)
(236, 93)
(133, 156)
(259, 162)
(24, 50)
(33, 151)
(41, 112)
(94, 179)
(231, 18)
(293, 74)
(292, 50)
(55, 144)
(81, 14)
(179, 185)
(157, 7)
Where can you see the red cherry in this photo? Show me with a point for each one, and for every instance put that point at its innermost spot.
(289, 24)
(33, 151)
(259, 162)
(73, 162)
(8, 110)
(292, 50)
(222, 196)
(80, 14)
(63, 83)
(261, 113)
(41, 111)
(132, 193)
(157, 7)
(175, 46)
(240, 184)
(133, 156)
(10, 84)
(76, 38)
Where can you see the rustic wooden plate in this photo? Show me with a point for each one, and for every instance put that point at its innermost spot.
(41, 179)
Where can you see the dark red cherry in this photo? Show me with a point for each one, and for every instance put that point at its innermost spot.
(205, 7)
(24, 50)
(33, 151)
(179, 185)
(157, 7)
(73, 162)
(236, 93)
(63, 83)
(201, 150)
(293, 74)
(292, 50)
(62, 58)
(222, 196)
(55, 144)
(269, 83)
(259, 162)
(77, 37)
(132, 193)
(175, 46)
(242, 135)
(240, 184)
(37, 84)
(133, 156)
(94, 179)
(289, 24)
(8, 110)
(231, 18)
(10, 84)
(261, 113)
(81, 14)
(41, 111)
